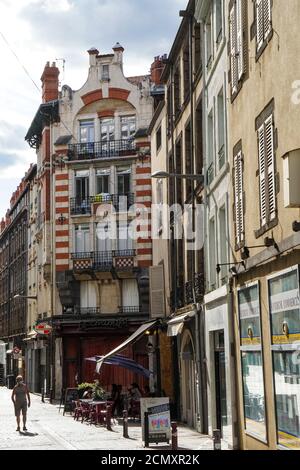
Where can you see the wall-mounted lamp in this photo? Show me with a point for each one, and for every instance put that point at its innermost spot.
(61, 219)
(296, 226)
(233, 267)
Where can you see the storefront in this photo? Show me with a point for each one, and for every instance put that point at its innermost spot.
(220, 364)
(268, 311)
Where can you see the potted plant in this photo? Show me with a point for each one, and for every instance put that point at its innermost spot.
(84, 387)
(98, 392)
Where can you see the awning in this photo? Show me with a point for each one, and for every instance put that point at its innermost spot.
(176, 324)
(133, 338)
(122, 361)
(10, 351)
(31, 336)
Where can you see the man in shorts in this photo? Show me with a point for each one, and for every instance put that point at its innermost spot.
(21, 399)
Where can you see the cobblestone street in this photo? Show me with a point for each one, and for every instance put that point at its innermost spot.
(48, 429)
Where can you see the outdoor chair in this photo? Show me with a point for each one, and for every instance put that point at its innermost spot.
(77, 410)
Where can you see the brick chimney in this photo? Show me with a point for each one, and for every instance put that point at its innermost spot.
(118, 52)
(157, 68)
(50, 82)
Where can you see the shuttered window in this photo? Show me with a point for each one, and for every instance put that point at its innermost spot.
(266, 157)
(157, 291)
(263, 21)
(239, 198)
(237, 49)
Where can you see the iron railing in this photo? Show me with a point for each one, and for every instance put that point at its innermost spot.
(100, 260)
(129, 310)
(95, 150)
(198, 289)
(120, 202)
(82, 311)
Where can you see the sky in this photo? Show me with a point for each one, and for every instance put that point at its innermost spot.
(33, 32)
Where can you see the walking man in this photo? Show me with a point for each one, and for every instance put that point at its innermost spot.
(21, 399)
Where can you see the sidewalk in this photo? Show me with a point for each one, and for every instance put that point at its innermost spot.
(49, 429)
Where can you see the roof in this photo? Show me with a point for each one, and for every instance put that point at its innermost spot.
(46, 114)
(63, 140)
(177, 42)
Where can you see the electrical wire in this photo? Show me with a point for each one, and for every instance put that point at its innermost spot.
(30, 77)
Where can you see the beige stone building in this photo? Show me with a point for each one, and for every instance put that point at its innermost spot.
(264, 146)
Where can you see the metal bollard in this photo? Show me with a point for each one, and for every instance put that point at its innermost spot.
(108, 418)
(174, 436)
(217, 439)
(125, 424)
(43, 395)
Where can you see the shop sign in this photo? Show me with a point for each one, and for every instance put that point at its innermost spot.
(156, 425)
(43, 329)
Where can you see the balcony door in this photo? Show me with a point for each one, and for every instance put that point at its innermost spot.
(104, 237)
(124, 181)
(87, 132)
(82, 238)
(125, 237)
(103, 182)
(107, 126)
(82, 186)
(128, 127)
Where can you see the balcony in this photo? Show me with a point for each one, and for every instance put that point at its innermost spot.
(198, 289)
(101, 150)
(103, 261)
(120, 202)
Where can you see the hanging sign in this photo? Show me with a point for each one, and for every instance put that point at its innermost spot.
(43, 329)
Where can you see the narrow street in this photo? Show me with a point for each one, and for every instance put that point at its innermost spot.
(48, 429)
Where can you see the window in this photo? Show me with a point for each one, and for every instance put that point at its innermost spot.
(82, 238)
(212, 253)
(82, 180)
(107, 126)
(87, 131)
(209, 43)
(238, 48)
(284, 308)
(266, 156)
(263, 22)
(252, 361)
(186, 71)
(124, 180)
(125, 236)
(238, 183)
(104, 237)
(177, 91)
(103, 181)
(223, 243)
(210, 148)
(105, 73)
(197, 48)
(128, 127)
(221, 130)
(219, 21)
(158, 139)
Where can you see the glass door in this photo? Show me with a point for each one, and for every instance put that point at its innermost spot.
(220, 381)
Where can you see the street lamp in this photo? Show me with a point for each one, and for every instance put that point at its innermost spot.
(164, 174)
(29, 297)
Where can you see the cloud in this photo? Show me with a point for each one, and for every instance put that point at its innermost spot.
(41, 30)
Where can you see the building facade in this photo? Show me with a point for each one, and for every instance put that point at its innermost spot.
(14, 278)
(95, 192)
(264, 147)
(219, 338)
(176, 137)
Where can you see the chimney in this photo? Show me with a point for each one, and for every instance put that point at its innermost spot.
(50, 82)
(156, 69)
(118, 50)
(2, 225)
(93, 52)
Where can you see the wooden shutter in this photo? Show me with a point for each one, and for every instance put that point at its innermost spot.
(267, 18)
(262, 175)
(239, 39)
(233, 49)
(238, 196)
(270, 161)
(259, 23)
(157, 291)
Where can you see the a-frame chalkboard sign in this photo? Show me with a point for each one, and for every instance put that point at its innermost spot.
(71, 395)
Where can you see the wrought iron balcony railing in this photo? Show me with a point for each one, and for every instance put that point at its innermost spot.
(95, 150)
(103, 260)
(129, 310)
(82, 311)
(120, 202)
(198, 289)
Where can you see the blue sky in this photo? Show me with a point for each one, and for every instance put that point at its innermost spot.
(45, 30)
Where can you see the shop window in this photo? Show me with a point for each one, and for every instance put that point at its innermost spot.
(284, 308)
(252, 361)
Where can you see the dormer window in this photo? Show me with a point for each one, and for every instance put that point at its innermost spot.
(105, 72)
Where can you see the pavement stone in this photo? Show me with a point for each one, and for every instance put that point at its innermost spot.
(48, 429)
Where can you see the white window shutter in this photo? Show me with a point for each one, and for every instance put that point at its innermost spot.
(233, 50)
(262, 175)
(239, 202)
(270, 159)
(267, 18)
(157, 292)
(239, 40)
(259, 23)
